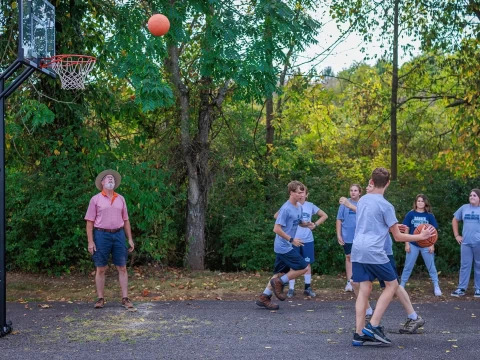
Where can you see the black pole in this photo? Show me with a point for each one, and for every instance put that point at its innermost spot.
(6, 327)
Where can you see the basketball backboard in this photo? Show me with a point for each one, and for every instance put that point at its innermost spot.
(37, 33)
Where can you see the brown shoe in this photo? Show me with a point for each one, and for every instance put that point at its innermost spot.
(265, 301)
(277, 286)
(127, 304)
(100, 303)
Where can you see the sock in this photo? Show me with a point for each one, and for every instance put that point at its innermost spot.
(413, 316)
(369, 311)
(267, 291)
(291, 284)
(308, 280)
(284, 279)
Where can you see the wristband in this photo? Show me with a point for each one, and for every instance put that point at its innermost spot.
(291, 240)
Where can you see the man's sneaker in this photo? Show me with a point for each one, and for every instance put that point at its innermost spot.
(127, 304)
(458, 293)
(277, 286)
(364, 340)
(309, 292)
(437, 291)
(376, 332)
(291, 293)
(348, 287)
(477, 293)
(411, 326)
(266, 302)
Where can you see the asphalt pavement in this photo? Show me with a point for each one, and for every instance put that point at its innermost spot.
(302, 328)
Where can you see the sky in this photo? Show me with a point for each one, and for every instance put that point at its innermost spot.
(346, 53)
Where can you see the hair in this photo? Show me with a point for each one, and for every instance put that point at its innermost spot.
(380, 177)
(358, 187)
(476, 191)
(428, 207)
(295, 185)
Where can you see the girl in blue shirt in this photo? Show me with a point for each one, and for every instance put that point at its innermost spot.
(421, 214)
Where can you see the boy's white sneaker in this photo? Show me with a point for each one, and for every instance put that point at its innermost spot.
(437, 291)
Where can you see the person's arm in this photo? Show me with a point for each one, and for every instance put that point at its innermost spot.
(426, 233)
(277, 229)
(344, 201)
(339, 232)
(91, 243)
(128, 233)
(457, 235)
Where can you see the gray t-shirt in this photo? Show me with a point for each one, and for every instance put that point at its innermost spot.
(288, 217)
(375, 216)
(348, 218)
(304, 233)
(470, 215)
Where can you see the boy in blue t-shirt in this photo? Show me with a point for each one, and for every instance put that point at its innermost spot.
(375, 218)
(289, 264)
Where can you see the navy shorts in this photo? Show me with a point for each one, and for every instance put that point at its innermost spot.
(307, 251)
(110, 243)
(370, 272)
(347, 248)
(291, 260)
(394, 267)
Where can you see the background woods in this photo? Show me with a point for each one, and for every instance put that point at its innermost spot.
(209, 123)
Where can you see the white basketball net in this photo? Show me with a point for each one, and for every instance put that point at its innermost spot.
(72, 69)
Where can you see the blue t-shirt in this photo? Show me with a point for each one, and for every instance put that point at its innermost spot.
(304, 233)
(470, 215)
(349, 220)
(288, 217)
(375, 216)
(414, 218)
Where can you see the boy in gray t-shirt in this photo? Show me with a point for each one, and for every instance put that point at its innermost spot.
(375, 218)
(289, 264)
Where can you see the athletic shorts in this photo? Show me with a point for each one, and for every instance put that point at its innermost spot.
(291, 260)
(110, 243)
(370, 272)
(394, 267)
(347, 248)
(307, 251)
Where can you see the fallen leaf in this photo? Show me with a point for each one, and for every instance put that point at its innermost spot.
(218, 298)
(44, 306)
(455, 346)
(145, 292)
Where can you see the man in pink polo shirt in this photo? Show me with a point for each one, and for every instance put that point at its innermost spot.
(107, 226)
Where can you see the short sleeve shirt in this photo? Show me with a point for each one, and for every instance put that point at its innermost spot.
(303, 233)
(106, 213)
(414, 218)
(470, 215)
(375, 216)
(288, 217)
(348, 218)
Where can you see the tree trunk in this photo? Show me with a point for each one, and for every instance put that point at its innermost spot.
(269, 121)
(393, 100)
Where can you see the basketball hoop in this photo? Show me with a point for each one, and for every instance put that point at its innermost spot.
(72, 69)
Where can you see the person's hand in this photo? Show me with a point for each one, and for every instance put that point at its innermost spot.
(431, 249)
(340, 241)
(403, 228)
(132, 246)
(427, 232)
(459, 239)
(91, 247)
(343, 200)
(407, 247)
(297, 242)
(311, 225)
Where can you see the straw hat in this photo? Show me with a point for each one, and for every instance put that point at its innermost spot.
(115, 174)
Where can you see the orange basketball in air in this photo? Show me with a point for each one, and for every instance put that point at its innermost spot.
(428, 242)
(158, 25)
